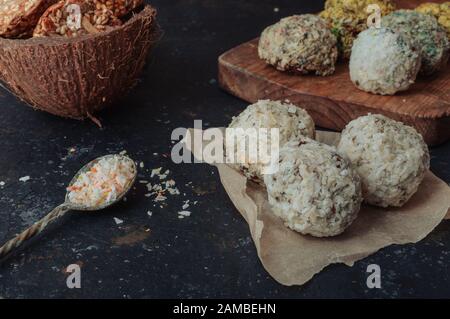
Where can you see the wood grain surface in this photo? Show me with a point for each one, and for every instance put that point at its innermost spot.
(334, 101)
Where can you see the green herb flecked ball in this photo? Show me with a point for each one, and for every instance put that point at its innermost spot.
(426, 33)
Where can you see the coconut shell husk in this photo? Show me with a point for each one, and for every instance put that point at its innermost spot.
(76, 77)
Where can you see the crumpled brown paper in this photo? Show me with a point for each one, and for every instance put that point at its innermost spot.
(293, 259)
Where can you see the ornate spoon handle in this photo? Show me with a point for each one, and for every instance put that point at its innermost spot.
(33, 230)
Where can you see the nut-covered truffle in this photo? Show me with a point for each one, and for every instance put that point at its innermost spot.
(19, 17)
(426, 33)
(391, 158)
(315, 190)
(440, 11)
(93, 16)
(299, 44)
(291, 120)
(119, 8)
(347, 18)
(383, 62)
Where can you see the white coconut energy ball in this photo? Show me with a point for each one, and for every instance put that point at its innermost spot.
(315, 191)
(390, 157)
(383, 62)
(291, 121)
(299, 44)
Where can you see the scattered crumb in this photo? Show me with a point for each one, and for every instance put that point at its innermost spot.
(149, 213)
(276, 9)
(25, 178)
(156, 171)
(143, 181)
(160, 198)
(173, 191)
(141, 164)
(170, 182)
(2, 183)
(164, 175)
(118, 221)
(184, 213)
(162, 188)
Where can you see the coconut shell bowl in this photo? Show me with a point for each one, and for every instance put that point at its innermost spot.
(75, 77)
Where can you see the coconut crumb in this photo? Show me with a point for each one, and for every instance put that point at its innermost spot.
(25, 179)
(160, 198)
(164, 175)
(163, 187)
(184, 213)
(185, 204)
(155, 171)
(118, 221)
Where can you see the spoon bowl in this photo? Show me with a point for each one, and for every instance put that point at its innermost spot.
(86, 168)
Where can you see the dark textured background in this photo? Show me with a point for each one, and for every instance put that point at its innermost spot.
(209, 254)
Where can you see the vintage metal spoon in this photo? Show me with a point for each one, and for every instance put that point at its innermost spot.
(62, 209)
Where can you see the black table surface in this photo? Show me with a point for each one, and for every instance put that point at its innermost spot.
(208, 254)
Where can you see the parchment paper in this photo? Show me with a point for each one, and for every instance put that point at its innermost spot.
(293, 259)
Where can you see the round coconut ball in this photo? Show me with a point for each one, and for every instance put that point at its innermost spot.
(315, 191)
(299, 44)
(383, 62)
(426, 33)
(390, 157)
(291, 121)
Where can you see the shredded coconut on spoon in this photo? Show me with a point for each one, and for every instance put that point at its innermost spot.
(103, 182)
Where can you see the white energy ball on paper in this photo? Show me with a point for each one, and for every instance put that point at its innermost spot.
(291, 121)
(390, 157)
(315, 191)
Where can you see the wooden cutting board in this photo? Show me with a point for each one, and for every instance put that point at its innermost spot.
(333, 101)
